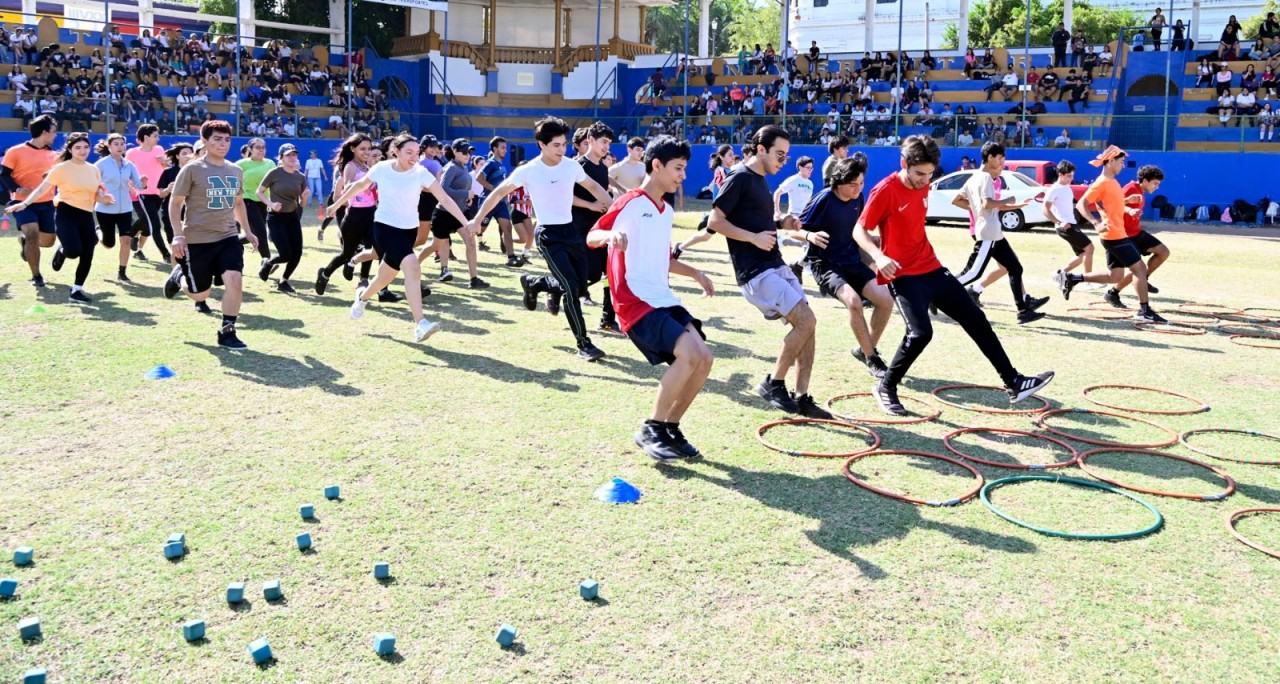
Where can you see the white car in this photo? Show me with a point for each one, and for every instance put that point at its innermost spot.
(945, 189)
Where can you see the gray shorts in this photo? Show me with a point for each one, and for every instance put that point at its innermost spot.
(775, 292)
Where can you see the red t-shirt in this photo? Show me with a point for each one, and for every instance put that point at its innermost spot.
(898, 212)
(1133, 224)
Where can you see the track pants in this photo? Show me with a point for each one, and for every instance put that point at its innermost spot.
(1000, 250)
(565, 251)
(286, 234)
(147, 224)
(913, 295)
(77, 237)
(257, 212)
(597, 261)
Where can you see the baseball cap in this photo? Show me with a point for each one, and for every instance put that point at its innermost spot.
(1107, 155)
(429, 140)
(287, 148)
(462, 146)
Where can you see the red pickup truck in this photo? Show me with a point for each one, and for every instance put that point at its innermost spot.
(1046, 173)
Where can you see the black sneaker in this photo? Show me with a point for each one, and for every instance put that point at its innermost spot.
(1146, 315)
(79, 297)
(610, 327)
(58, 259)
(122, 276)
(677, 251)
(798, 269)
(1024, 386)
(478, 284)
(933, 309)
(164, 254)
(887, 395)
(137, 254)
(658, 443)
(1112, 297)
(553, 304)
(590, 353)
(264, 269)
(445, 276)
(227, 338)
(173, 284)
(1027, 316)
(681, 444)
(203, 307)
(809, 408)
(285, 287)
(387, 296)
(1033, 303)
(1064, 283)
(777, 395)
(426, 291)
(975, 296)
(37, 280)
(530, 297)
(875, 365)
(513, 261)
(1152, 288)
(348, 270)
(322, 281)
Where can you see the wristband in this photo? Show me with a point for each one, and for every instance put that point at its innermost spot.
(179, 237)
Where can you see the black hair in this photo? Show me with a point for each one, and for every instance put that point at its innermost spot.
(836, 143)
(635, 142)
(43, 124)
(173, 152)
(1064, 167)
(549, 128)
(920, 149)
(805, 160)
(146, 129)
(208, 128)
(1150, 172)
(495, 140)
(848, 169)
(766, 136)
(991, 149)
(72, 140)
(599, 130)
(579, 136)
(663, 149)
(103, 147)
(347, 152)
(716, 161)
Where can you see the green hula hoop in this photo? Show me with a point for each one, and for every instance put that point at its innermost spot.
(986, 500)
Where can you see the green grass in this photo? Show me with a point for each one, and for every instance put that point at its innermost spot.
(469, 463)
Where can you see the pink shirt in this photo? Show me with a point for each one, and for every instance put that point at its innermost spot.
(368, 198)
(150, 164)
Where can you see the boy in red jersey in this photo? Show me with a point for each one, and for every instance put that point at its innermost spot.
(1149, 179)
(905, 260)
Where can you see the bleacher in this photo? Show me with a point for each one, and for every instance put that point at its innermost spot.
(1201, 131)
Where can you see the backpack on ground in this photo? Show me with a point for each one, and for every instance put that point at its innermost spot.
(1244, 211)
(1202, 212)
(1180, 213)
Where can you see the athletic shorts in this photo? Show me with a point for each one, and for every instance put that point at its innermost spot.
(115, 224)
(40, 213)
(443, 224)
(1074, 237)
(502, 211)
(832, 276)
(518, 216)
(393, 244)
(206, 260)
(1145, 242)
(657, 333)
(1121, 253)
(426, 204)
(775, 292)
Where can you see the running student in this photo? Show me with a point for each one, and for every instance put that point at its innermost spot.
(628, 174)
(430, 150)
(723, 161)
(979, 197)
(549, 180)
(356, 220)
(838, 148)
(1149, 179)
(637, 231)
(456, 182)
(148, 158)
(905, 260)
(179, 155)
(597, 140)
(492, 173)
(206, 241)
(1122, 253)
(22, 169)
(835, 262)
(1060, 208)
(119, 178)
(798, 188)
(285, 192)
(743, 213)
(400, 180)
(255, 165)
(79, 186)
(522, 221)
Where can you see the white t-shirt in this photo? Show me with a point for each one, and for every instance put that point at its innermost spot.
(1063, 202)
(798, 190)
(398, 193)
(639, 276)
(550, 188)
(980, 187)
(315, 168)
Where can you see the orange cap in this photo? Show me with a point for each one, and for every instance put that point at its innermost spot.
(1107, 155)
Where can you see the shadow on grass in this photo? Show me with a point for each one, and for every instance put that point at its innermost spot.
(4, 292)
(289, 327)
(280, 371)
(103, 307)
(850, 518)
(493, 368)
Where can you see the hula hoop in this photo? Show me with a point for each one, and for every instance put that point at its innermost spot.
(1101, 314)
(1043, 417)
(1263, 317)
(986, 499)
(1234, 328)
(1209, 309)
(1231, 484)
(815, 454)
(1241, 340)
(883, 421)
(1075, 455)
(1182, 439)
(1193, 319)
(1159, 412)
(1169, 328)
(1231, 527)
(909, 499)
(1005, 412)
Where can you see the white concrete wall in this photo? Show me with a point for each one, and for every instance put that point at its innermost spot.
(509, 78)
(580, 84)
(528, 26)
(464, 78)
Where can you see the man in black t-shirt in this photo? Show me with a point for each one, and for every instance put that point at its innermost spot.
(596, 146)
(743, 213)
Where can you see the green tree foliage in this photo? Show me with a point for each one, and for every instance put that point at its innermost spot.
(376, 22)
(1003, 23)
(1253, 25)
(738, 21)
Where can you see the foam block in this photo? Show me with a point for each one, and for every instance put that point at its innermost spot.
(304, 541)
(193, 630)
(34, 676)
(260, 650)
(178, 538)
(381, 570)
(174, 550)
(29, 629)
(23, 555)
(307, 511)
(506, 636)
(235, 592)
(384, 644)
(8, 587)
(332, 492)
(271, 590)
(589, 590)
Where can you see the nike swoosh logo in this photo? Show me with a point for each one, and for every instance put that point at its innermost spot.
(554, 182)
(904, 207)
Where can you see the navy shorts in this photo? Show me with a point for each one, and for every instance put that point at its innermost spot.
(1145, 242)
(206, 260)
(1121, 253)
(832, 276)
(393, 244)
(657, 333)
(502, 211)
(40, 213)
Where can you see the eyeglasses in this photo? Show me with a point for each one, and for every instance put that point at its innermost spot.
(781, 157)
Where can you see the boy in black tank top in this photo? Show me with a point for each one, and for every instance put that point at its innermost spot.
(596, 144)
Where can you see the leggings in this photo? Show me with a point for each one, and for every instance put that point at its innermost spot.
(147, 207)
(257, 212)
(112, 225)
(1000, 250)
(77, 237)
(357, 231)
(913, 294)
(566, 255)
(286, 234)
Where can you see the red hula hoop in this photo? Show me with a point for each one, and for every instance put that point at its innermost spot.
(1169, 328)
(1231, 483)
(816, 454)
(883, 421)
(1075, 455)
(1040, 421)
(1178, 412)
(909, 499)
(1005, 412)
(1182, 439)
(1231, 527)
(1241, 340)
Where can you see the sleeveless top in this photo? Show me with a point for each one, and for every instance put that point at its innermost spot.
(367, 198)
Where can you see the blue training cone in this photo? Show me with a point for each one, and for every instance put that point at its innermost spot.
(618, 491)
(161, 372)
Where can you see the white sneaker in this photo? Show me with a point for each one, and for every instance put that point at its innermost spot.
(425, 329)
(357, 308)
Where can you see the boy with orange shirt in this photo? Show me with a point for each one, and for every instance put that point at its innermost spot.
(1149, 179)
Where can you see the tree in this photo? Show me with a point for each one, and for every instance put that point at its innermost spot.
(375, 22)
(1003, 23)
(760, 24)
(1252, 26)
(664, 26)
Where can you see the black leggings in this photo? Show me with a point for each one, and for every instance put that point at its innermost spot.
(1000, 250)
(357, 232)
(565, 252)
(112, 225)
(257, 212)
(286, 234)
(77, 237)
(914, 294)
(147, 208)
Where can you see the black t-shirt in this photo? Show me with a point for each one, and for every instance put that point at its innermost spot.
(583, 218)
(747, 203)
(828, 214)
(166, 179)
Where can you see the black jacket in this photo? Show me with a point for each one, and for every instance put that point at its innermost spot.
(1060, 38)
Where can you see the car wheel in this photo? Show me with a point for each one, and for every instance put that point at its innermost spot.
(1012, 221)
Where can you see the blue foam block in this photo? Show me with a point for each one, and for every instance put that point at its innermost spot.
(174, 550)
(193, 630)
(589, 590)
(178, 538)
(618, 491)
(332, 492)
(271, 590)
(260, 650)
(307, 511)
(384, 644)
(23, 555)
(381, 570)
(235, 592)
(29, 629)
(34, 676)
(506, 636)
(304, 541)
(8, 587)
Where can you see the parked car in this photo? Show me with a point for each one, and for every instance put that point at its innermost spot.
(1026, 180)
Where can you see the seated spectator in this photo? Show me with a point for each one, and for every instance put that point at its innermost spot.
(768, 58)
(996, 83)
(1225, 109)
(1249, 79)
(23, 108)
(927, 63)
(115, 39)
(1048, 85)
(1246, 107)
(970, 63)
(657, 83)
(1204, 73)
(1063, 140)
(1222, 79)
(18, 80)
(756, 61)
(1229, 42)
(1270, 26)
(1090, 61)
(965, 139)
(1266, 123)
(1267, 82)
(1106, 61)
(1069, 85)
(1008, 85)
(1080, 94)
(1041, 140)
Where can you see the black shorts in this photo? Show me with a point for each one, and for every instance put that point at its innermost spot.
(831, 276)
(1075, 237)
(518, 216)
(657, 333)
(426, 204)
(115, 224)
(1145, 242)
(443, 224)
(206, 260)
(393, 244)
(1121, 253)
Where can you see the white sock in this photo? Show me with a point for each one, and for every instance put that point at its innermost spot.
(976, 287)
(77, 288)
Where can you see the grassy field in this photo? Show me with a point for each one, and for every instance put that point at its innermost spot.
(469, 463)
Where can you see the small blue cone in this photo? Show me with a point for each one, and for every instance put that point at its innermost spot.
(161, 372)
(618, 491)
